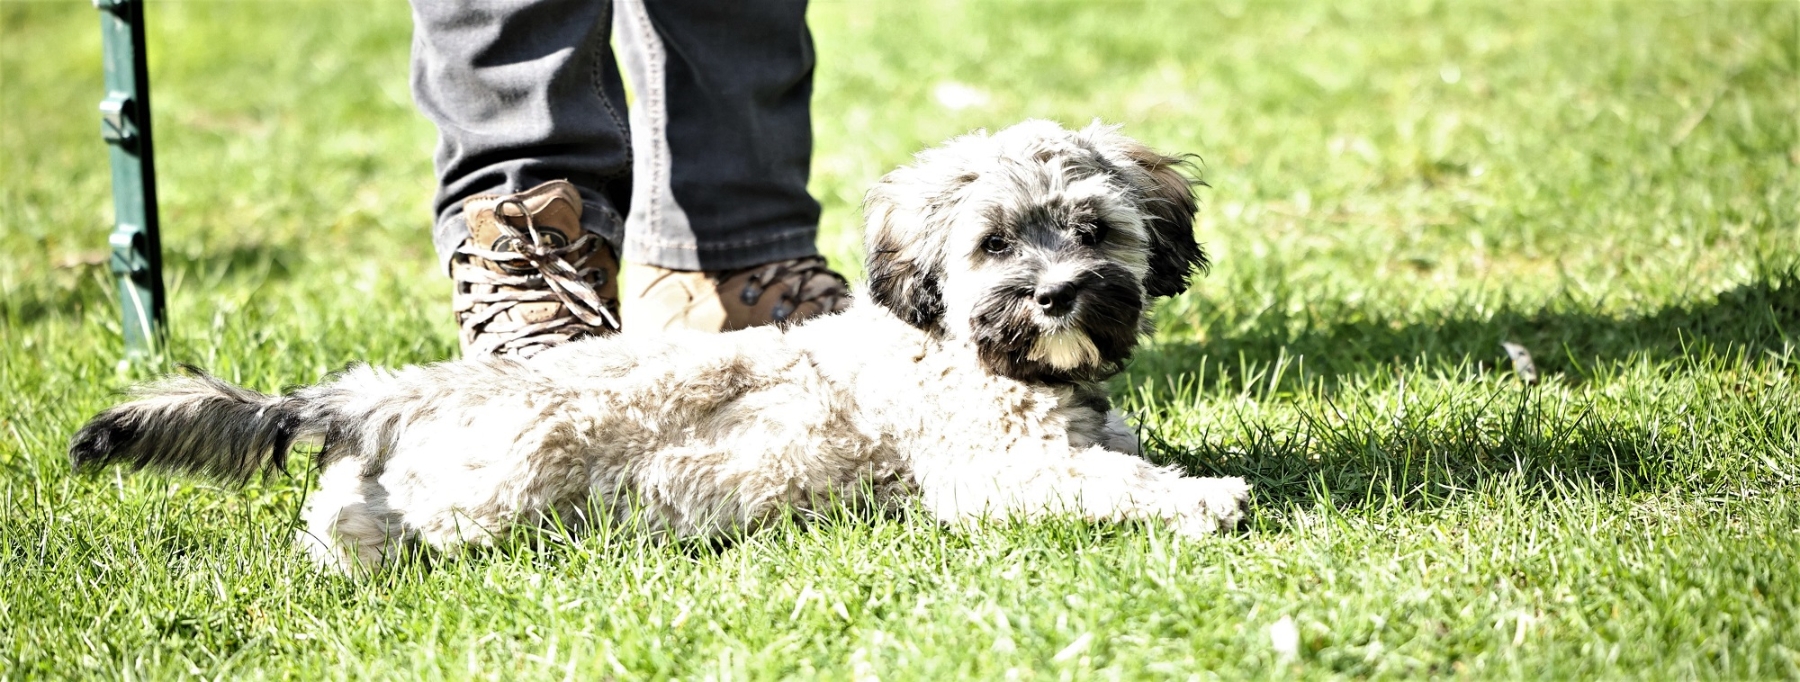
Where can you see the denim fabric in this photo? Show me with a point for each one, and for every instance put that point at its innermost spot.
(524, 92)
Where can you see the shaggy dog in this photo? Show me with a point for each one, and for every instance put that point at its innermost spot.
(1009, 274)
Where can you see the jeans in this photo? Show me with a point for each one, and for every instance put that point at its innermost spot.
(709, 164)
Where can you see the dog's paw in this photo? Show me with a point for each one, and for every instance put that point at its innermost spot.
(1210, 505)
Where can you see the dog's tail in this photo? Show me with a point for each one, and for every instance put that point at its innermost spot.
(194, 423)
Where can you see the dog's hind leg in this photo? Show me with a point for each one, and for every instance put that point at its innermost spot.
(452, 488)
(349, 526)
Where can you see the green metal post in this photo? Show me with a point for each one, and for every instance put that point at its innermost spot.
(125, 124)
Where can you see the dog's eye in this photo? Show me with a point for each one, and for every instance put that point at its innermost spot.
(995, 244)
(1094, 235)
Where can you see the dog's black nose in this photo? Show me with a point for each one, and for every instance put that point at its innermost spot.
(1056, 299)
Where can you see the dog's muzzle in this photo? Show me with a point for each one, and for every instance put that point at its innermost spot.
(1063, 323)
(1057, 299)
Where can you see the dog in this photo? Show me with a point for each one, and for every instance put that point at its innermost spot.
(1009, 275)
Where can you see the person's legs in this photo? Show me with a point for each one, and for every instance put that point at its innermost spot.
(723, 132)
(533, 155)
(523, 92)
(722, 230)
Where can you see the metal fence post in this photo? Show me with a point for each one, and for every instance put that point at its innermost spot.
(125, 124)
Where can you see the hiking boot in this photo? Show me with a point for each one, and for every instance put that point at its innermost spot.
(782, 292)
(529, 277)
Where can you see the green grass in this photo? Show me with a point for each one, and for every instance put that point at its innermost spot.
(1396, 189)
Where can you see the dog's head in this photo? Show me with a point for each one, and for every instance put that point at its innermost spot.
(1044, 247)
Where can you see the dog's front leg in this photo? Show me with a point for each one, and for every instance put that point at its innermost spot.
(1117, 435)
(1094, 482)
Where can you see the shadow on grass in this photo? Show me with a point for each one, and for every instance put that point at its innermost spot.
(1572, 341)
(1437, 452)
(1430, 452)
(74, 289)
(68, 294)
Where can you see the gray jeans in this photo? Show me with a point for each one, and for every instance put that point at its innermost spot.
(710, 164)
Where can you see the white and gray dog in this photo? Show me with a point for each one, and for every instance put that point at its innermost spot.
(1009, 274)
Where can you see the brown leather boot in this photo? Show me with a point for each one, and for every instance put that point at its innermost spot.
(529, 277)
(782, 292)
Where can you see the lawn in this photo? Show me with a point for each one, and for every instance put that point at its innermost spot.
(1396, 189)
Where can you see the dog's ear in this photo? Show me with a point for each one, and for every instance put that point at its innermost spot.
(1168, 196)
(905, 265)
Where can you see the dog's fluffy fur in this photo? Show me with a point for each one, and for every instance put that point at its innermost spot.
(1008, 275)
